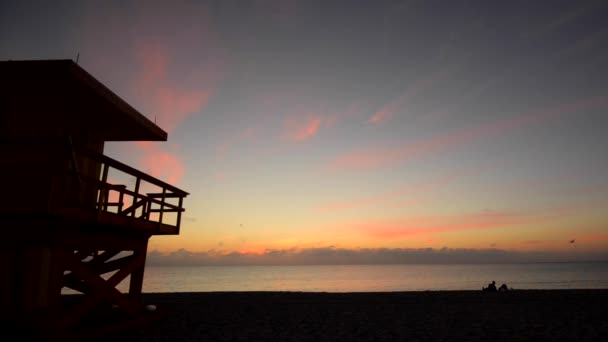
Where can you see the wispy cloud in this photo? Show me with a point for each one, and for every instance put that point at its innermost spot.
(388, 110)
(438, 224)
(300, 128)
(376, 157)
(466, 96)
(563, 19)
(431, 225)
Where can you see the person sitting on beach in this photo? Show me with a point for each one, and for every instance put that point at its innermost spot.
(491, 287)
(503, 288)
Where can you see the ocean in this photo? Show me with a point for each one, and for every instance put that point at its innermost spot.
(373, 278)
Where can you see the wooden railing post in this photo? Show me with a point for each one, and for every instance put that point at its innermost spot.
(138, 180)
(102, 191)
(179, 213)
(146, 214)
(162, 206)
(120, 199)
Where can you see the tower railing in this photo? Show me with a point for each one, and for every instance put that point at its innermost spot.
(134, 201)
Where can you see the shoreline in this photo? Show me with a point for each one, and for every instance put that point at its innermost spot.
(518, 315)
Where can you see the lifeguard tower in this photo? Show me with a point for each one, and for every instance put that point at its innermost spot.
(66, 220)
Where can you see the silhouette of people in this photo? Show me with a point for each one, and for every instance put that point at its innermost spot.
(491, 287)
(503, 288)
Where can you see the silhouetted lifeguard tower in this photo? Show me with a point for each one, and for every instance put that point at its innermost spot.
(66, 221)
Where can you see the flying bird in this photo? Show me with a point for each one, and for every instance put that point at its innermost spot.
(572, 241)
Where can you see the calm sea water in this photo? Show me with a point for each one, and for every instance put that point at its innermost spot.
(366, 278)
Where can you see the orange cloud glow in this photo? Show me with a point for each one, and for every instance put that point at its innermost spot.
(433, 225)
(252, 251)
(593, 238)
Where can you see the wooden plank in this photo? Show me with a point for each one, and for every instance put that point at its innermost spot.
(72, 281)
(160, 202)
(166, 229)
(162, 206)
(134, 207)
(112, 265)
(176, 210)
(135, 195)
(150, 199)
(179, 214)
(170, 206)
(101, 289)
(102, 197)
(122, 189)
(80, 218)
(81, 254)
(103, 257)
(121, 198)
(137, 277)
(160, 194)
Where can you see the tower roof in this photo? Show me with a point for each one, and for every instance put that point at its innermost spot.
(50, 98)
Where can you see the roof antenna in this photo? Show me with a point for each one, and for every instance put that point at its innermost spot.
(77, 57)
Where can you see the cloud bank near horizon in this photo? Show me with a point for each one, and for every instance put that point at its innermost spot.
(342, 256)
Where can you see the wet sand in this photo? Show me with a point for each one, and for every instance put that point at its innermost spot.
(520, 315)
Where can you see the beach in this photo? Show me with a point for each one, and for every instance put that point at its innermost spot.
(519, 315)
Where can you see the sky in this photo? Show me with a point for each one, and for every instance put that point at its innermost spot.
(354, 128)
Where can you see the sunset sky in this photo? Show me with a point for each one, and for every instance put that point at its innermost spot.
(354, 125)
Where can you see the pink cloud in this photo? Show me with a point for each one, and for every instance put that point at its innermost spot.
(169, 101)
(435, 225)
(301, 115)
(303, 127)
(144, 144)
(165, 60)
(175, 105)
(300, 129)
(381, 115)
(163, 165)
(370, 158)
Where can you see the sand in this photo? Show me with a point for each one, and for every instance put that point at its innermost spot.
(520, 315)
